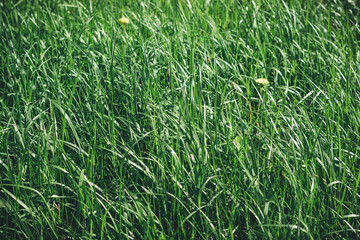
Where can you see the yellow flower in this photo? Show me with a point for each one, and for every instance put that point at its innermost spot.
(262, 81)
(124, 20)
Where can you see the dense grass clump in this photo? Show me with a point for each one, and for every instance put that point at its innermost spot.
(157, 129)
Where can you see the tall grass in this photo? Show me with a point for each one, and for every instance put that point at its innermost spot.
(156, 129)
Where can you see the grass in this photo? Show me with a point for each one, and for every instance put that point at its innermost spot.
(156, 129)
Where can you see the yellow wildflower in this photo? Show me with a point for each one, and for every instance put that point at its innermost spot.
(124, 20)
(262, 81)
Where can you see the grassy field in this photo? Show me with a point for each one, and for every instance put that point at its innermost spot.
(158, 129)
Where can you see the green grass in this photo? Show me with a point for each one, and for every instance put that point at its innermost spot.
(157, 130)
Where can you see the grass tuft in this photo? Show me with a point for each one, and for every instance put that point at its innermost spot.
(179, 120)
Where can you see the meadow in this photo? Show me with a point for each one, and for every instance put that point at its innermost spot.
(192, 120)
